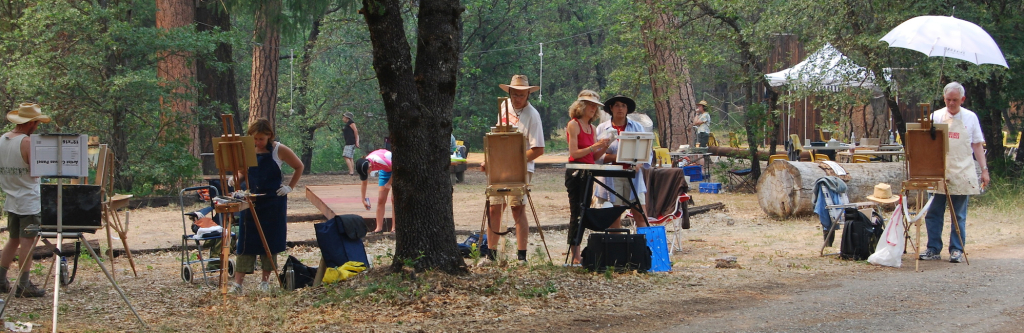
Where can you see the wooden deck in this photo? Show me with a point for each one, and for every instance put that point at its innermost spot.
(344, 199)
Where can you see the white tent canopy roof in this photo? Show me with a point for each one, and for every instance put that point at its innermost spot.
(825, 69)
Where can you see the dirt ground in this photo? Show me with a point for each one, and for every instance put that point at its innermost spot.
(783, 285)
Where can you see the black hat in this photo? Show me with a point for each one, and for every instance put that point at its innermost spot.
(630, 104)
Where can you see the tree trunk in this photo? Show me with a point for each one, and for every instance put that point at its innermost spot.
(987, 107)
(265, 59)
(175, 67)
(219, 93)
(301, 104)
(674, 102)
(419, 109)
(787, 188)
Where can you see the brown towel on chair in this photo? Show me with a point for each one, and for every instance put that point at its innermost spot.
(664, 185)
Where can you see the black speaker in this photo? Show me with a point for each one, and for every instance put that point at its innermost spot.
(81, 209)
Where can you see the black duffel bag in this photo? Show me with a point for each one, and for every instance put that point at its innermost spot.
(622, 252)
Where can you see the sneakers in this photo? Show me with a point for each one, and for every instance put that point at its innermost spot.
(930, 255)
(29, 290)
(956, 256)
(5, 286)
(264, 286)
(234, 288)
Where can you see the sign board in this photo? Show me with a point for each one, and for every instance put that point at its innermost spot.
(74, 155)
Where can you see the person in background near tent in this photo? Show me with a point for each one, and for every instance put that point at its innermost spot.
(582, 149)
(618, 107)
(521, 114)
(23, 200)
(965, 140)
(378, 160)
(270, 201)
(703, 123)
(351, 134)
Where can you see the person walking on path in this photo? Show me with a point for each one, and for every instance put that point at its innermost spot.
(351, 134)
(965, 142)
(23, 199)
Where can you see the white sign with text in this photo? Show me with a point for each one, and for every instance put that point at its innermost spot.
(74, 155)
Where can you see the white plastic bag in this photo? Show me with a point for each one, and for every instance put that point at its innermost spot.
(889, 251)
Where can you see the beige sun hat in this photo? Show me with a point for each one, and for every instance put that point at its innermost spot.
(883, 194)
(704, 103)
(519, 82)
(590, 96)
(27, 112)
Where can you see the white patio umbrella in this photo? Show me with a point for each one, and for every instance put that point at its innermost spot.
(946, 36)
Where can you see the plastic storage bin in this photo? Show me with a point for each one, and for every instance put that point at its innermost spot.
(710, 187)
(658, 242)
(695, 173)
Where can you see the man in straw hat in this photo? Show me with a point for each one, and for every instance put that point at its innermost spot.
(965, 141)
(22, 190)
(703, 123)
(522, 115)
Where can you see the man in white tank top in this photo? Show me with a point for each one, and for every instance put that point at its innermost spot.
(22, 190)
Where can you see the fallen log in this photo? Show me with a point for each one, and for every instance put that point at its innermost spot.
(705, 208)
(786, 188)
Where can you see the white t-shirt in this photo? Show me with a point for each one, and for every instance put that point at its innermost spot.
(967, 117)
(528, 122)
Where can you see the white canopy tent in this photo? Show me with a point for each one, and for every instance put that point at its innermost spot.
(825, 69)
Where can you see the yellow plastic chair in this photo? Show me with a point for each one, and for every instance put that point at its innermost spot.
(734, 142)
(819, 157)
(780, 157)
(821, 135)
(663, 157)
(712, 142)
(861, 159)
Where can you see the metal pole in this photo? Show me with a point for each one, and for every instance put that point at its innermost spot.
(60, 227)
(540, 90)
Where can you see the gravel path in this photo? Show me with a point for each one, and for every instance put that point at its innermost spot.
(986, 296)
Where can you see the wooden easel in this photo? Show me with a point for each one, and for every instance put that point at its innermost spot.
(925, 166)
(230, 154)
(111, 203)
(507, 178)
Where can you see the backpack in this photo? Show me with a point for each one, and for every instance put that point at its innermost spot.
(466, 247)
(861, 235)
(303, 274)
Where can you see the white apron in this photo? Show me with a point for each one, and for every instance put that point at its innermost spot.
(961, 175)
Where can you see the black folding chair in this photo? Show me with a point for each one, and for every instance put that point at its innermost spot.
(740, 180)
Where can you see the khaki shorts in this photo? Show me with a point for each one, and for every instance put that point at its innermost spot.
(515, 200)
(622, 187)
(16, 224)
(246, 263)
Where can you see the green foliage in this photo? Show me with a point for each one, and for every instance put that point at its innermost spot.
(539, 291)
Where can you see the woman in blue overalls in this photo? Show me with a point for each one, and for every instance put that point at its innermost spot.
(270, 202)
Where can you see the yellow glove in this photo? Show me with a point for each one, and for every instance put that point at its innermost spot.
(353, 266)
(331, 275)
(335, 274)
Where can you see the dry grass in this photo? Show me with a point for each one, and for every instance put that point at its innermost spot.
(776, 255)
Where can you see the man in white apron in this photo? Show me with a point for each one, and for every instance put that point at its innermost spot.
(965, 139)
